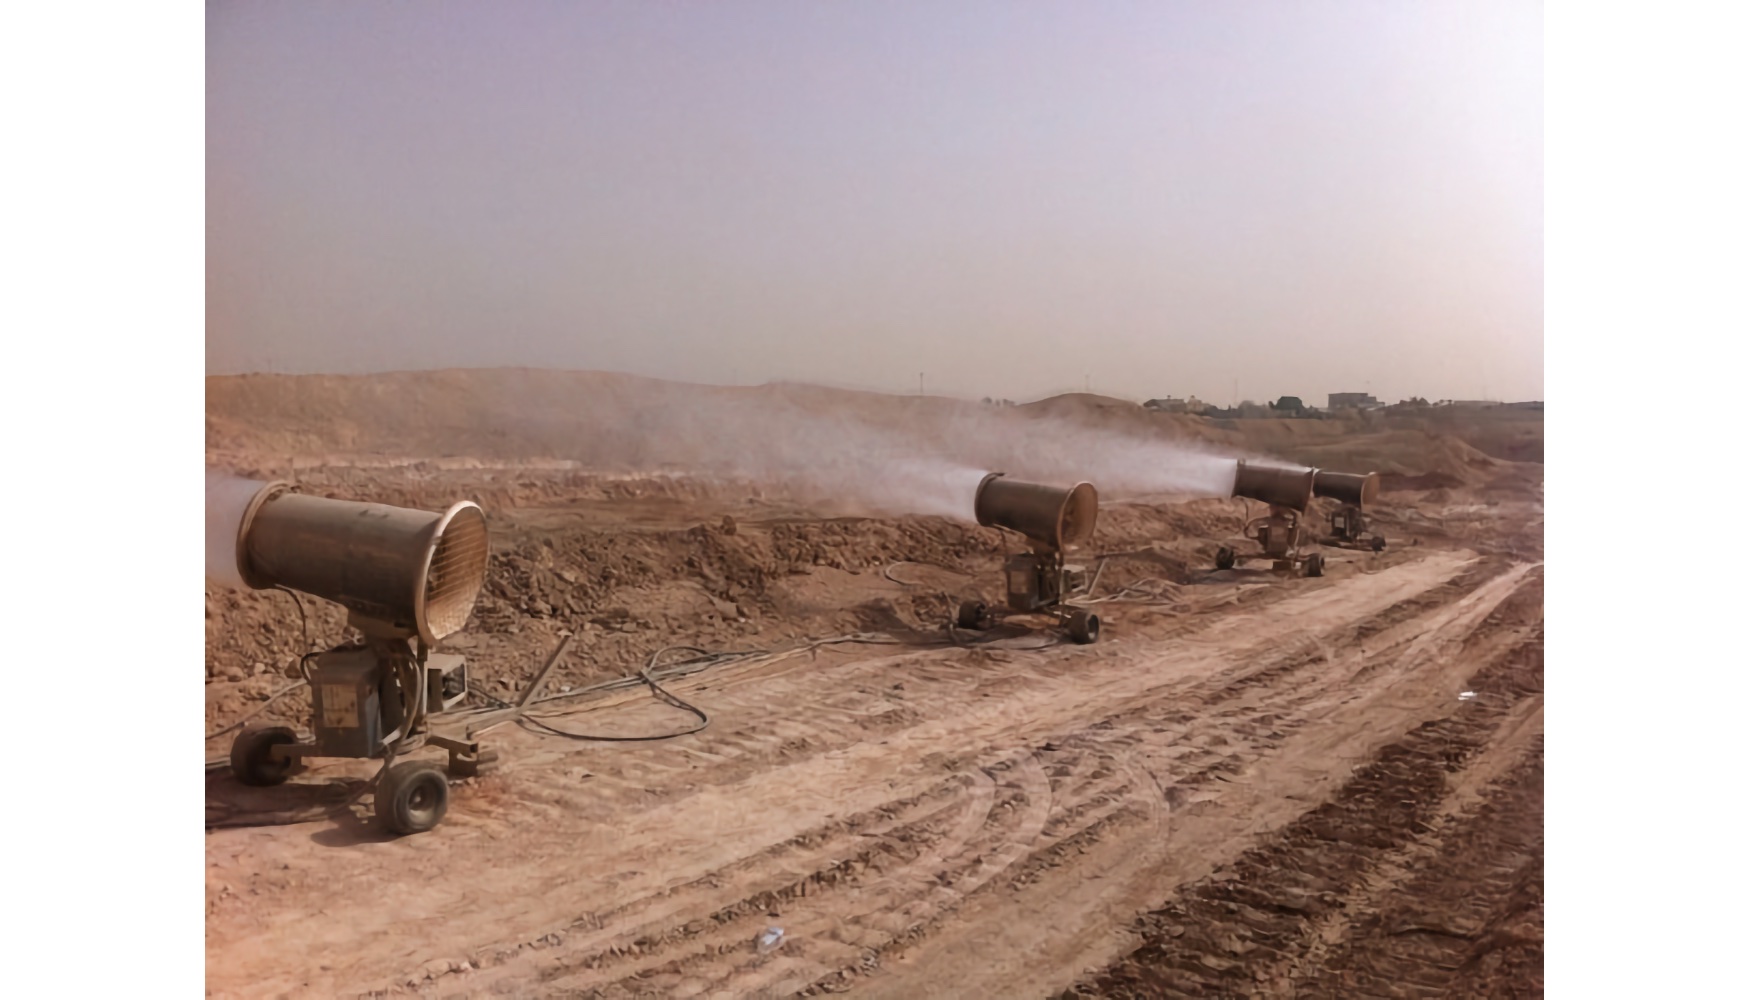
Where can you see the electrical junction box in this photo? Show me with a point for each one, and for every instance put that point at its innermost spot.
(1024, 584)
(1276, 538)
(1035, 581)
(346, 689)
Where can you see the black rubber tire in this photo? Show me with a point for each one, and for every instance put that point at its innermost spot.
(1378, 544)
(413, 797)
(250, 760)
(1224, 558)
(971, 615)
(1315, 565)
(1084, 627)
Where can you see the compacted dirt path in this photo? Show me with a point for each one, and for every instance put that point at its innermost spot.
(1262, 795)
(1423, 877)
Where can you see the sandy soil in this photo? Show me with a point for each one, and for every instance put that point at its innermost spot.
(1250, 786)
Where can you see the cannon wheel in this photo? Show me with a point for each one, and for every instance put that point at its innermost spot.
(413, 797)
(971, 615)
(251, 756)
(1084, 627)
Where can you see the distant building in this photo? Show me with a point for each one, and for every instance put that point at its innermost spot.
(1469, 404)
(1173, 404)
(1350, 401)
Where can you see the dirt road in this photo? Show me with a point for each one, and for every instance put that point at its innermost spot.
(984, 821)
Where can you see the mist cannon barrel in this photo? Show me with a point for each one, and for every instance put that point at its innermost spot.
(1353, 488)
(405, 568)
(1058, 518)
(1277, 485)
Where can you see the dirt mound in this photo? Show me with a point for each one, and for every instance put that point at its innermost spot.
(1507, 433)
(507, 413)
(1078, 404)
(1438, 482)
(805, 442)
(1398, 453)
(722, 582)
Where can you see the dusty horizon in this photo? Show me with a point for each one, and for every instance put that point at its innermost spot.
(1048, 394)
(1175, 200)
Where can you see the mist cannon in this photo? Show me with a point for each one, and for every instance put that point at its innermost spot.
(1039, 581)
(1288, 491)
(397, 571)
(1049, 517)
(408, 579)
(1287, 487)
(1355, 493)
(1352, 488)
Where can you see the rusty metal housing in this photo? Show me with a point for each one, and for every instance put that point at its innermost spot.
(1286, 486)
(408, 569)
(1353, 488)
(1054, 518)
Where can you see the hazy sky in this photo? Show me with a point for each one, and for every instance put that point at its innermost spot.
(1161, 198)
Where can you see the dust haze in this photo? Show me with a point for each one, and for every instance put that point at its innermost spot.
(228, 497)
(893, 463)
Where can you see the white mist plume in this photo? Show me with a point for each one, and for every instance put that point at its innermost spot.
(881, 454)
(227, 498)
(838, 451)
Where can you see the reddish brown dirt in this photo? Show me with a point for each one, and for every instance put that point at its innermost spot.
(1422, 877)
(1249, 786)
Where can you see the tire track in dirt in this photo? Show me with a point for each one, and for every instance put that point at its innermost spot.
(1225, 787)
(1344, 901)
(889, 858)
(1069, 811)
(601, 920)
(840, 932)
